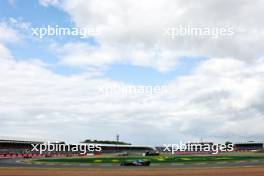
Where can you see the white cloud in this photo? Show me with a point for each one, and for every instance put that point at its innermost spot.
(7, 34)
(223, 96)
(83, 55)
(87, 54)
(5, 53)
(220, 98)
(131, 27)
(49, 2)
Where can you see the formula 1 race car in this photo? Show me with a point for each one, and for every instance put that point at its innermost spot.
(136, 163)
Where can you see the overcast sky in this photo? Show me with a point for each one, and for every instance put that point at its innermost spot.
(212, 86)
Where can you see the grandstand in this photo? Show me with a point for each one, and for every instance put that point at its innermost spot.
(249, 146)
(20, 147)
(110, 148)
(11, 146)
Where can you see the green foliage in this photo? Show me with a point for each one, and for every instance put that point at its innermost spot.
(153, 159)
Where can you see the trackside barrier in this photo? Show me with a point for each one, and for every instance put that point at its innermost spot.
(36, 155)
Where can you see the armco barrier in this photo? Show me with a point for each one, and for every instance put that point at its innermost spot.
(36, 155)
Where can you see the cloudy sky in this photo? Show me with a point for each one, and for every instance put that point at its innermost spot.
(53, 87)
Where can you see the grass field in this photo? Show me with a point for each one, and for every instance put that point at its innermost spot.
(153, 159)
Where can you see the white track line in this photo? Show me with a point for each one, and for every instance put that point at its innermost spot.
(108, 165)
(176, 164)
(84, 164)
(200, 163)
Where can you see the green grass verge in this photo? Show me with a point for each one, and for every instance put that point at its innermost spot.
(153, 159)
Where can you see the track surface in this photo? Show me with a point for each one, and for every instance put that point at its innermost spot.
(17, 167)
(23, 163)
(233, 171)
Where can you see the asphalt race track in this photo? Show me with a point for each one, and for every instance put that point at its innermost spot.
(15, 162)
